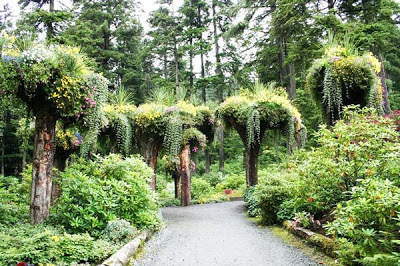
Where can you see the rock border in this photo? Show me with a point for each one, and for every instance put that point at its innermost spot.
(325, 243)
(123, 256)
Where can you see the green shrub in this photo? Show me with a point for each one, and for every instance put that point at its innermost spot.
(14, 199)
(271, 192)
(232, 181)
(251, 201)
(99, 191)
(200, 188)
(214, 178)
(367, 226)
(46, 244)
(119, 231)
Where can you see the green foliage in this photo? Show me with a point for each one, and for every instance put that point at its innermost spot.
(366, 227)
(14, 203)
(99, 191)
(273, 189)
(232, 181)
(200, 188)
(251, 200)
(46, 244)
(119, 231)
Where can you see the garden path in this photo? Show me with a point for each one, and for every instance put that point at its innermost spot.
(217, 234)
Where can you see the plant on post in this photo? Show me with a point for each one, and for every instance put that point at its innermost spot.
(149, 131)
(342, 77)
(184, 122)
(50, 79)
(252, 113)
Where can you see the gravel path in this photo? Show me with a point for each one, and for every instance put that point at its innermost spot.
(216, 234)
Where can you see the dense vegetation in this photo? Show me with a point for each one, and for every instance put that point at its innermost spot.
(291, 104)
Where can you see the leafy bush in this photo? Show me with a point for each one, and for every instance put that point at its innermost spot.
(214, 178)
(201, 189)
(367, 226)
(46, 244)
(271, 192)
(232, 181)
(251, 201)
(14, 202)
(99, 191)
(119, 231)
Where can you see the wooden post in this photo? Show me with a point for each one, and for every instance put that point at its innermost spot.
(184, 158)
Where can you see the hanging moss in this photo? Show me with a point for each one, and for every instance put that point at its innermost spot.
(341, 78)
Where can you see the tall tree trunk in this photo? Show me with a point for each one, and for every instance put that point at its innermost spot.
(42, 170)
(385, 93)
(191, 82)
(2, 155)
(184, 159)
(251, 163)
(220, 88)
(23, 154)
(176, 178)
(207, 158)
(281, 59)
(176, 59)
(50, 28)
(165, 66)
(292, 82)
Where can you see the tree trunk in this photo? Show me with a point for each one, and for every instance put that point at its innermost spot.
(176, 59)
(207, 162)
(23, 160)
(282, 68)
(60, 163)
(176, 178)
(50, 28)
(203, 74)
(149, 150)
(292, 82)
(191, 67)
(251, 163)
(2, 155)
(220, 88)
(165, 66)
(184, 158)
(42, 169)
(385, 93)
(221, 148)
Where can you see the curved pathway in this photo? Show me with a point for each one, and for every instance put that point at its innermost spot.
(216, 234)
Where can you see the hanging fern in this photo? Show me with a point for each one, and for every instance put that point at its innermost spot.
(173, 136)
(253, 127)
(124, 134)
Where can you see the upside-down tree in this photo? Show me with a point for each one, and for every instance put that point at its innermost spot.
(183, 135)
(51, 81)
(252, 113)
(343, 77)
(149, 130)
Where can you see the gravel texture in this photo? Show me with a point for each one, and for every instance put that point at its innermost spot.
(216, 234)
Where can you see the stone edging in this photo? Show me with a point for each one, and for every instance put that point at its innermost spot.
(325, 243)
(123, 255)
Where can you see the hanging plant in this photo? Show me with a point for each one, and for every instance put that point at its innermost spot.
(342, 77)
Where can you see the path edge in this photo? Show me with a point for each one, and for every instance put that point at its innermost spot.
(325, 243)
(124, 254)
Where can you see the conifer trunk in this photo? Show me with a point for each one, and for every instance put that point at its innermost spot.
(176, 178)
(42, 170)
(184, 158)
(149, 150)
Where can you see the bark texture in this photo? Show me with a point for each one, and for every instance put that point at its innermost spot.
(149, 149)
(42, 169)
(184, 158)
